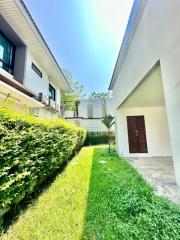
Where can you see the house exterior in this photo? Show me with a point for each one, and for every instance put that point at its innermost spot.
(29, 74)
(146, 83)
(89, 114)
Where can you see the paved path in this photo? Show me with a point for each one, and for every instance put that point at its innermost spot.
(159, 172)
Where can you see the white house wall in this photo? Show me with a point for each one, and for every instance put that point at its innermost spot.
(97, 108)
(157, 38)
(34, 82)
(93, 125)
(110, 106)
(58, 95)
(44, 113)
(22, 23)
(157, 131)
(83, 106)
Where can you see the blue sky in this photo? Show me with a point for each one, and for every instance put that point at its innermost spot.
(84, 36)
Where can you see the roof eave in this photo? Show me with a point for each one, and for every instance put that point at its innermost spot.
(134, 19)
(69, 89)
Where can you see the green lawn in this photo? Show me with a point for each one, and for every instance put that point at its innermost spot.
(98, 197)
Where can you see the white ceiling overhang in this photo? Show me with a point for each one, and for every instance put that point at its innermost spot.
(149, 93)
(21, 21)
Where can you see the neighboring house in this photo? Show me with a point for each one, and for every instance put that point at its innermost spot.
(29, 73)
(89, 114)
(146, 83)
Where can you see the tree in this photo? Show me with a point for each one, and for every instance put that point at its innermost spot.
(78, 89)
(100, 95)
(67, 102)
(70, 101)
(108, 121)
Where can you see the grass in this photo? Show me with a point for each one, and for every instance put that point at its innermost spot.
(98, 197)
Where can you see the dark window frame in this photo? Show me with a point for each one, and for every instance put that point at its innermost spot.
(36, 70)
(12, 53)
(52, 88)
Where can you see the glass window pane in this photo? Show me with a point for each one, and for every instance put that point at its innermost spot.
(5, 51)
(1, 52)
(52, 93)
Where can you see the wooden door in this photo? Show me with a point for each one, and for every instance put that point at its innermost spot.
(137, 134)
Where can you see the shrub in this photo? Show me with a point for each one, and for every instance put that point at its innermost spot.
(32, 149)
(95, 138)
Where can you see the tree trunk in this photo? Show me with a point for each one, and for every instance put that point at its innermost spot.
(109, 140)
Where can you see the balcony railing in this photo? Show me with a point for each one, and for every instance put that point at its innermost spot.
(49, 103)
(58, 108)
(52, 104)
(43, 98)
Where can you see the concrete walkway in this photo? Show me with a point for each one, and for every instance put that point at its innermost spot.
(159, 172)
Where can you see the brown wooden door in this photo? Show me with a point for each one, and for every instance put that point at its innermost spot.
(137, 134)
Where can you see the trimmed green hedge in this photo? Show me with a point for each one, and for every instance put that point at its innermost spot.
(32, 149)
(95, 138)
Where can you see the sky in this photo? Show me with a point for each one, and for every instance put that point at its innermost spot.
(84, 35)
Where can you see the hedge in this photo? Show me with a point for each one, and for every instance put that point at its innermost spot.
(32, 149)
(95, 138)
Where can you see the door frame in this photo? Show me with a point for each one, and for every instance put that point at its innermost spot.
(137, 140)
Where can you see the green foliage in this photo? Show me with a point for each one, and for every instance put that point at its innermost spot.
(69, 100)
(100, 95)
(98, 197)
(122, 205)
(31, 149)
(95, 138)
(108, 121)
(78, 89)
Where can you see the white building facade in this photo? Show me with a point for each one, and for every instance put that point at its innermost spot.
(29, 73)
(146, 83)
(90, 114)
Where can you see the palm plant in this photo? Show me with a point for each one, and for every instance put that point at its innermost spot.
(108, 121)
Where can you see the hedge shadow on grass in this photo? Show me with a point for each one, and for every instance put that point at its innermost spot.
(121, 205)
(32, 150)
(14, 213)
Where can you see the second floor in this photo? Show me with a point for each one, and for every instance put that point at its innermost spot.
(26, 62)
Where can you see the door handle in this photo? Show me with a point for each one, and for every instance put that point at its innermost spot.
(137, 133)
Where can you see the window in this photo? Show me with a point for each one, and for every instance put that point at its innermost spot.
(36, 70)
(7, 54)
(52, 93)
